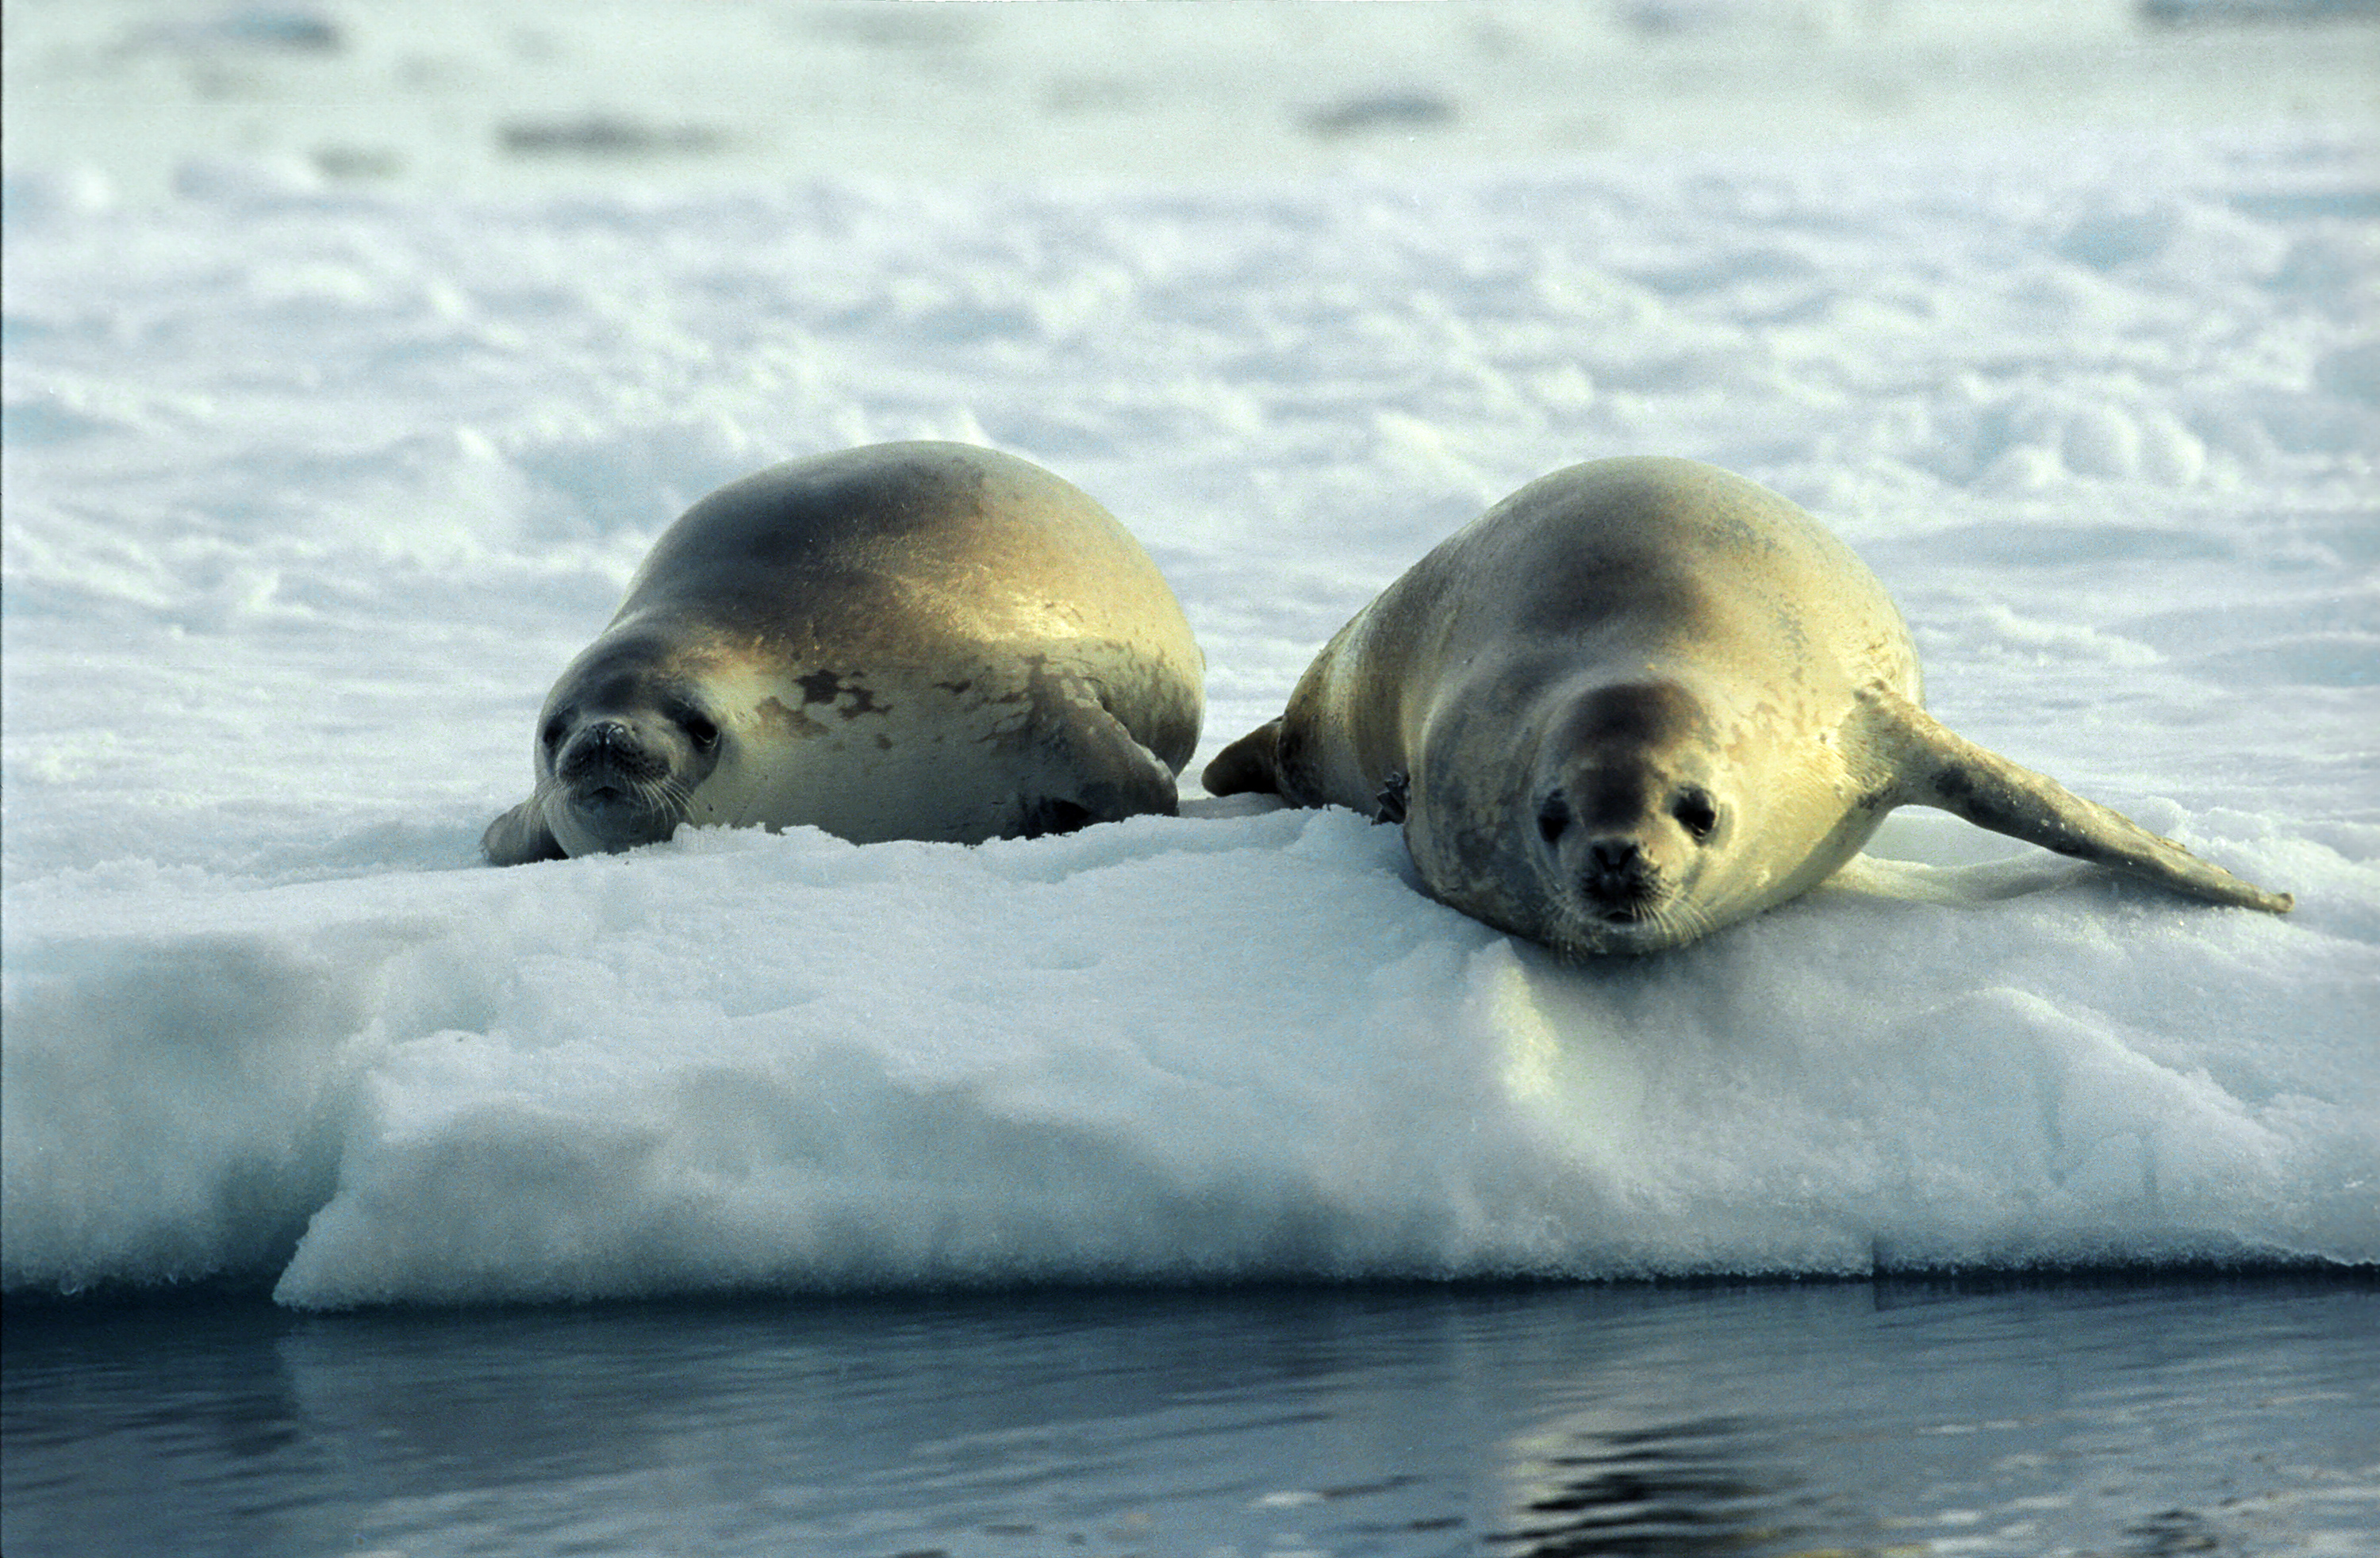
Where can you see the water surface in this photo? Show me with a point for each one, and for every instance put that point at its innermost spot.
(2132, 1416)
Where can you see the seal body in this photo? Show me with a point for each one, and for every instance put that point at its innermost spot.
(907, 640)
(1643, 699)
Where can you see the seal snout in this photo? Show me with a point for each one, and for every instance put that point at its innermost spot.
(617, 784)
(1618, 879)
(609, 755)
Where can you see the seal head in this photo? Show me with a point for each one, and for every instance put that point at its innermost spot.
(1624, 812)
(623, 747)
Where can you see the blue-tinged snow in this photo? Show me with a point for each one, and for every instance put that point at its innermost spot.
(312, 487)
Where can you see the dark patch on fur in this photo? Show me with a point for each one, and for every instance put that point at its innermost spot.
(829, 688)
(776, 716)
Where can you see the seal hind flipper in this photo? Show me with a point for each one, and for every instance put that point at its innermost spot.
(1936, 767)
(1249, 766)
(520, 838)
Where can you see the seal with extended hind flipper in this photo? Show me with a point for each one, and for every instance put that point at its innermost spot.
(1643, 699)
(908, 640)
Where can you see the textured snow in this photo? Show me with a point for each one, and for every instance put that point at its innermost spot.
(314, 483)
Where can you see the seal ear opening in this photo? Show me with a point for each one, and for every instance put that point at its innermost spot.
(1935, 766)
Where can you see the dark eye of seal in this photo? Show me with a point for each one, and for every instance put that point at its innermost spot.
(554, 731)
(699, 731)
(1553, 817)
(1695, 814)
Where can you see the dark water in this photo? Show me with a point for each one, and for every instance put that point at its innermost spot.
(2134, 1417)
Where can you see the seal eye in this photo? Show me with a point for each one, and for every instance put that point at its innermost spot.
(1553, 816)
(1695, 814)
(701, 731)
(551, 734)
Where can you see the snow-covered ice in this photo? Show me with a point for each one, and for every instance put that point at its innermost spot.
(313, 484)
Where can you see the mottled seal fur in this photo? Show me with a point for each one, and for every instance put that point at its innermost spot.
(908, 640)
(1643, 699)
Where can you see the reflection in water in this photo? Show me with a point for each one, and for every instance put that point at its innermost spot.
(1539, 1421)
(1687, 1488)
(2170, 1533)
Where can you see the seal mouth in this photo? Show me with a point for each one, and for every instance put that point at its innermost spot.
(615, 807)
(1630, 929)
(611, 816)
(1619, 886)
(615, 790)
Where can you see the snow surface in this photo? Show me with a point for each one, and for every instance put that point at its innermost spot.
(313, 483)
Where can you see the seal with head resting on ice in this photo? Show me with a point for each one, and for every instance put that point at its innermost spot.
(907, 640)
(1643, 699)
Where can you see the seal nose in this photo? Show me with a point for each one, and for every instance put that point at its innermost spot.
(1617, 875)
(604, 745)
(608, 749)
(1614, 856)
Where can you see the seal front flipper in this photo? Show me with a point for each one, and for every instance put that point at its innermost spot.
(1935, 766)
(1093, 770)
(521, 836)
(1249, 766)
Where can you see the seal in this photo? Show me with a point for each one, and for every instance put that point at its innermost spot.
(906, 640)
(1643, 699)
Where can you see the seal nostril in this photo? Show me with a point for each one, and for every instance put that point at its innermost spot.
(1618, 878)
(1613, 855)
